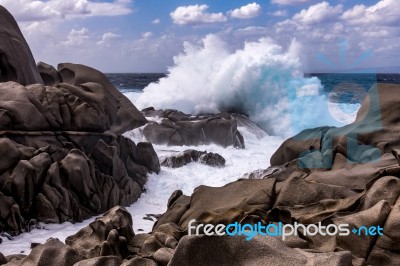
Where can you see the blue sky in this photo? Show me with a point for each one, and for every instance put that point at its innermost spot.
(145, 35)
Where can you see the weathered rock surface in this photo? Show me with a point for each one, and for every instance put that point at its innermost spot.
(262, 250)
(109, 240)
(188, 156)
(97, 104)
(65, 176)
(106, 236)
(53, 252)
(16, 59)
(62, 160)
(178, 129)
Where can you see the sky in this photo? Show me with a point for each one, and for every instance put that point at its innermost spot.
(145, 35)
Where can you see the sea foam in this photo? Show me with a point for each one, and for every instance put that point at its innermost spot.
(261, 79)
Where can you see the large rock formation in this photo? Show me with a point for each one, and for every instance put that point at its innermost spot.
(62, 156)
(89, 88)
(117, 112)
(16, 60)
(62, 161)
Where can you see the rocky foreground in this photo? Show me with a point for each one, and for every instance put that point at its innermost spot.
(325, 175)
(63, 159)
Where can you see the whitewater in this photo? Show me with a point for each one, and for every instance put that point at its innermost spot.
(260, 79)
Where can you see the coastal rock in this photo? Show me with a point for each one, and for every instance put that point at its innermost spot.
(240, 201)
(123, 114)
(179, 129)
(53, 252)
(261, 250)
(16, 59)
(187, 156)
(86, 107)
(78, 97)
(3, 259)
(147, 156)
(106, 236)
(48, 74)
(139, 261)
(69, 180)
(100, 261)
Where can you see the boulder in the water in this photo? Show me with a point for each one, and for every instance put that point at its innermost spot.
(175, 128)
(187, 156)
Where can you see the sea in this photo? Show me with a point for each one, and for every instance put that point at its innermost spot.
(136, 82)
(281, 103)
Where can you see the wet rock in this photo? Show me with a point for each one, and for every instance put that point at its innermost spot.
(180, 129)
(3, 259)
(147, 156)
(188, 156)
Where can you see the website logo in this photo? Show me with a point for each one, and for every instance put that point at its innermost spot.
(280, 230)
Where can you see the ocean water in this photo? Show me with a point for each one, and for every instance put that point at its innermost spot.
(262, 80)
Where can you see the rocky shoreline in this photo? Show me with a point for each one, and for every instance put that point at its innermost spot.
(64, 159)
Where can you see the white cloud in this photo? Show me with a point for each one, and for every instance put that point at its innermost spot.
(318, 13)
(385, 12)
(147, 35)
(34, 10)
(195, 14)
(76, 37)
(289, 2)
(279, 13)
(116, 8)
(107, 37)
(245, 12)
(366, 29)
(156, 21)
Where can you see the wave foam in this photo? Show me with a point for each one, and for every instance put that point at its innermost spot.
(260, 80)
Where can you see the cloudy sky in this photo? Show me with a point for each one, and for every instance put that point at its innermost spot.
(144, 35)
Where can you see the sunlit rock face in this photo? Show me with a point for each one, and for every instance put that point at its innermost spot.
(16, 60)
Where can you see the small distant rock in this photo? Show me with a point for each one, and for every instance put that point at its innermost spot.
(212, 159)
(187, 156)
